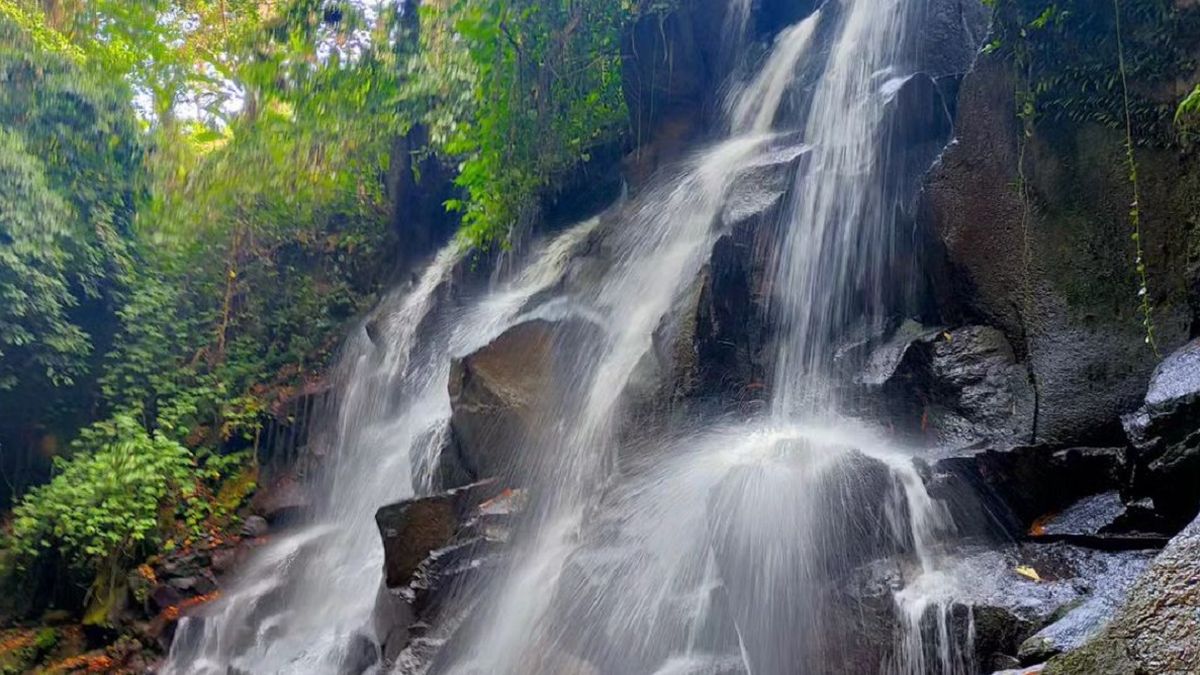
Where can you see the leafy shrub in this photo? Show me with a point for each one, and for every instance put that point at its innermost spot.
(113, 502)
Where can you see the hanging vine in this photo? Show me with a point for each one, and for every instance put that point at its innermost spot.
(1063, 59)
(1135, 207)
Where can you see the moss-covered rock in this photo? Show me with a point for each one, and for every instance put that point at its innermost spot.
(1158, 628)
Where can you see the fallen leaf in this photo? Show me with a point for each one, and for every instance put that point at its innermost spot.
(1029, 573)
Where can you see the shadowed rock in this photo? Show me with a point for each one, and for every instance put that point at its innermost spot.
(1166, 434)
(951, 387)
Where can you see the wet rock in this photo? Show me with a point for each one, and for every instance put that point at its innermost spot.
(1085, 518)
(1166, 434)
(920, 121)
(712, 351)
(771, 16)
(282, 501)
(413, 529)
(757, 193)
(1084, 619)
(952, 32)
(505, 394)
(670, 65)
(1015, 617)
(197, 585)
(1056, 277)
(826, 509)
(1015, 486)
(1157, 629)
(361, 654)
(883, 362)
(951, 388)
(434, 547)
(1100, 521)
(254, 527)
(164, 596)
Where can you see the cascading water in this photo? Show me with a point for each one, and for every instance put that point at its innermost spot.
(725, 550)
(302, 600)
(724, 555)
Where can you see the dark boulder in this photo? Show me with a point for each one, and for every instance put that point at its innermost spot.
(284, 500)
(758, 191)
(997, 489)
(768, 17)
(434, 547)
(1079, 621)
(507, 393)
(951, 388)
(1165, 431)
(670, 67)
(1157, 629)
(414, 528)
(712, 351)
(1016, 600)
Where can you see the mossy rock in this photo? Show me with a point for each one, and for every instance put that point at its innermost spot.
(1158, 628)
(22, 649)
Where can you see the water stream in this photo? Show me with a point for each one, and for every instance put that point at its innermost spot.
(724, 552)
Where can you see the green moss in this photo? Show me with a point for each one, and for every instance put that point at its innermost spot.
(1099, 657)
(22, 649)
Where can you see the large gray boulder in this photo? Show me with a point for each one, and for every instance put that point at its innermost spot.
(506, 394)
(1166, 434)
(1157, 630)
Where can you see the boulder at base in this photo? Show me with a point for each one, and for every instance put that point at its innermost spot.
(1158, 628)
(1166, 434)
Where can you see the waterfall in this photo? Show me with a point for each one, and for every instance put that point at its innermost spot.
(301, 601)
(833, 262)
(755, 108)
(729, 549)
(658, 247)
(721, 557)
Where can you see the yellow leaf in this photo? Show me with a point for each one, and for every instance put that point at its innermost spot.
(1028, 573)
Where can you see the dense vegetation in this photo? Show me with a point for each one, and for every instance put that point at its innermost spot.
(195, 202)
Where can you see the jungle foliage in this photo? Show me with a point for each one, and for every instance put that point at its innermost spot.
(194, 203)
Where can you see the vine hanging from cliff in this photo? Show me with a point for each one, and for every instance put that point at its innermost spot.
(1064, 59)
(1135, 207)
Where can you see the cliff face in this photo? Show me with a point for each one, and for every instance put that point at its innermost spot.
(1032, 210)
(1057, 270)
(1028, 332)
